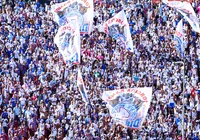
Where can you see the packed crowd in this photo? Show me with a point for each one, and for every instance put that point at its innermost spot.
(39, 98)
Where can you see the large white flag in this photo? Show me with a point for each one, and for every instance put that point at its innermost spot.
(67, 12)
(118, 28)
(67, 40)
(128, 107)
(178, 37)
(81, 87)
(187, 11)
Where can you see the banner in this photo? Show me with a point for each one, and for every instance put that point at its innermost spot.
(67, 40)
(187, 11)
(67, 12)
(178, 38)
(128, 107)
(81, 87)
(118, 28)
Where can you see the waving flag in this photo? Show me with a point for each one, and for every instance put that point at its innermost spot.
(193, 21)
(187, 11)
(83, 10)
(128, 107)
(178, 37)
(81, 87)
(118, 28)
(67, 40)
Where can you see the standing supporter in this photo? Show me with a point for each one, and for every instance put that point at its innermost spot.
(39, 97)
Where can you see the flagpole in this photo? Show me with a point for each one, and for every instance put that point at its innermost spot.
(179, 33)
(183, 109)
(183, 100)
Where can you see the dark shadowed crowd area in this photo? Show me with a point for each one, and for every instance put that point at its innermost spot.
(39, 98)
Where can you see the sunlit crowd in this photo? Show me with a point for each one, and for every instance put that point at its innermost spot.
(39, 97)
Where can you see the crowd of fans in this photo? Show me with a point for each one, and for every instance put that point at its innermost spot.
(39, 98)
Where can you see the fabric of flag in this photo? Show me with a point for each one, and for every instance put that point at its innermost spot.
(81, 87)
(178, 38)
(67, 40)
(118, 28)
(128, 107)
(187, 11)
(67, 12)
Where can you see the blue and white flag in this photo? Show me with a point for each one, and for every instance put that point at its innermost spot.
(128, 107)
(67, 40)
(186, 10)
(118, 28)
(178, 38)
(81, 87)
(192, 20)
(66, 12)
